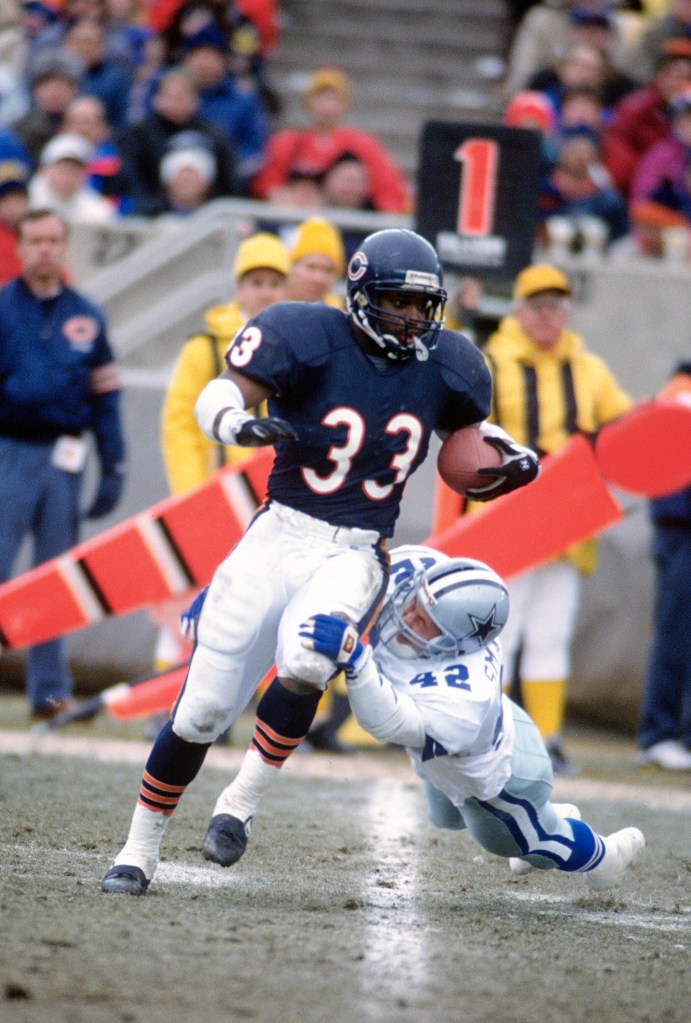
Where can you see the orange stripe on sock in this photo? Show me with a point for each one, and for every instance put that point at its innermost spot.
(156, 798)
(150, 780)
(269, 751)
(269, 734)
(272, 750)
(156, 809)
(272, 760)
(273, 753)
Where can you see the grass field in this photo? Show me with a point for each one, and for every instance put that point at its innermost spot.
(348, 905)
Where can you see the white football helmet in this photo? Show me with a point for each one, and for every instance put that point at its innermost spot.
(465, 599)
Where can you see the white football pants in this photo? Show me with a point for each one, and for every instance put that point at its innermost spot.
(543, 604)
(287, 567)
(520, 820)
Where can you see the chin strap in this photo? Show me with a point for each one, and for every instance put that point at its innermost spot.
(421, 350)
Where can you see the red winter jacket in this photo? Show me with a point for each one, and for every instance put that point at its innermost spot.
(638, 122)
(313, 151)
(10, 263)
(664, 161)
(262, 13)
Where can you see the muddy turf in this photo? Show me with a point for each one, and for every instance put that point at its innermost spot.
(347, 907)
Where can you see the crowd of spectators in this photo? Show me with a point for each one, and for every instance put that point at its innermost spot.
(114, 108)
(608, 87)
(613, 111)
(174, 103)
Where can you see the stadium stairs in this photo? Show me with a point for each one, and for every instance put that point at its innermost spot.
(410, 61)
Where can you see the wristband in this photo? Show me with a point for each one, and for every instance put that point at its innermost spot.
(220, 410)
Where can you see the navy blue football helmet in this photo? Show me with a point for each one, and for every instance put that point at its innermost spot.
(395, 260)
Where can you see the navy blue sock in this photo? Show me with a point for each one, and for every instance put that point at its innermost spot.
(173, 763)
(283, 720)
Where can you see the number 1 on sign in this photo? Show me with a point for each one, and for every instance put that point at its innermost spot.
(480, 158)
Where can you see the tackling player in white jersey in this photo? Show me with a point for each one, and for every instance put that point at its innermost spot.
(431, 681)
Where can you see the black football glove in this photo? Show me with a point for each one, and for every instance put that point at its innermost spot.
(258, 433)
(520, 465)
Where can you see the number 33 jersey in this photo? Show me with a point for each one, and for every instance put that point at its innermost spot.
(363, 426)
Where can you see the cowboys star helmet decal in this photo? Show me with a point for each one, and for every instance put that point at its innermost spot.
(483, 627)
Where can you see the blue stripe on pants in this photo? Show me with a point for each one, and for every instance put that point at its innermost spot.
(521, 820)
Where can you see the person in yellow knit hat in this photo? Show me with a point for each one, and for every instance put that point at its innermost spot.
(546, 387)
(317, 263)
(260, 272)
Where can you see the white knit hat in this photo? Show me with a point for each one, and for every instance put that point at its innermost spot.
(66, 146)
(199, 159)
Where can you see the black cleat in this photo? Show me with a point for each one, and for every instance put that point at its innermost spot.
(226, 839)
(124, 880)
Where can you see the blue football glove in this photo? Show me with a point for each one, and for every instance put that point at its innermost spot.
(189, 619)
(257, 433)
(520, 465)
(335, 638)
(108, 494)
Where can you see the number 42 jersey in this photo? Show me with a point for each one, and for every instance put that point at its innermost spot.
(449, 712)
(363, 426)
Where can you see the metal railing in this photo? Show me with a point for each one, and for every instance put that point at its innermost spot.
(156, 278)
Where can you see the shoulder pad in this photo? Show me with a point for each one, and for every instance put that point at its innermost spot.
(460, 360)
(292, 315)
(312, 329)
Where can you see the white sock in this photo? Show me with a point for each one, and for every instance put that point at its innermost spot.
(242, 797)
(143, 846)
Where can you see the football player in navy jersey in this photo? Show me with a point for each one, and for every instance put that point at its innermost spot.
(353, 398)
(431, 680)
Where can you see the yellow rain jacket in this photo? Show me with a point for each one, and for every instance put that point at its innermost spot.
(542, 397)
(188, 455)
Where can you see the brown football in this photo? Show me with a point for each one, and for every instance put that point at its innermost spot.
(461, 455)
